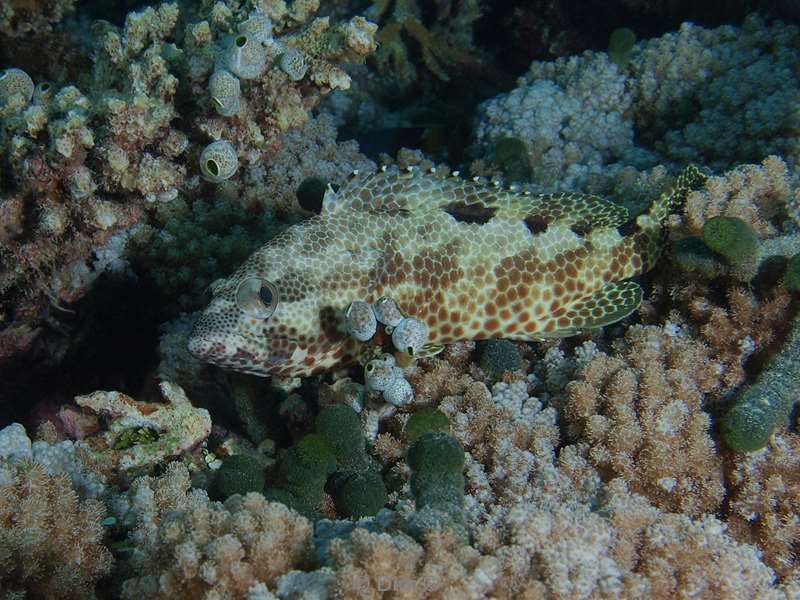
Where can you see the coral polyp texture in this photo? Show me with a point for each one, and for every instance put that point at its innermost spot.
(85, 161)
(553, 354)
(681, 97)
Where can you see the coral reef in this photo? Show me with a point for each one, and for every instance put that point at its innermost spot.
(87, 162)
(24, 17)
(679, 99)
(51, 541)
(640, 411)
(446, 43)
(186, 546)
(765, 501)
(655, 457)
(143, 434)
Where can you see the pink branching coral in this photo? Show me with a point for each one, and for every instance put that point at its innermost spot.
(189, 547)
(640, 410)
(751, 193)
(765, 502)
(51, 542)
(368, 565)
(741, 327)
(669, 555)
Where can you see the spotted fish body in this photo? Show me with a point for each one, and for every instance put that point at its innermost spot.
(470, 259)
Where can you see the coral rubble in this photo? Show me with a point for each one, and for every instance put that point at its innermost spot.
(655, 457)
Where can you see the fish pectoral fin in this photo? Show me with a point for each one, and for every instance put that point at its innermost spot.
(606, 306)
(609, 304)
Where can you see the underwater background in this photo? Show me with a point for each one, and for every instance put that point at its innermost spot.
(623, 427)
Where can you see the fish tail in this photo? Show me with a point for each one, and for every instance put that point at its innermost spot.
(650, 231)
(673, 199)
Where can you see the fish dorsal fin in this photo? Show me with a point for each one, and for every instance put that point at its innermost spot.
(470, 200)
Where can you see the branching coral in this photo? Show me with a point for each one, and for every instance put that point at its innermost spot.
(367, 565)
(23, 17)
(681, 98)
(186, 546)
(85, 163)
(641, 412)
(445, 44)
(51, 543)
(736, 329)
(765, 502)
(753, 193)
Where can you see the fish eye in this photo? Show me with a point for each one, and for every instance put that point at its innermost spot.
(257, 298)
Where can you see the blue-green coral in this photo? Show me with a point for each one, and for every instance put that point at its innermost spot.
(197, 244)
(766, 404)
(335, 456)
(436, 461)
(732, 238)
(238, 474)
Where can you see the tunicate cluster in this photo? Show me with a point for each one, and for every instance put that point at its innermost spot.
(258, 27)
(410, 336)
(245, 56)
(42, 93)
(293, 63)
(387, 312)
(225, 91)
(219, 161)
(361, 322)
(383, 375)
(15, 82)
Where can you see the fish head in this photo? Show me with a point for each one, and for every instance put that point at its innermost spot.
(270, 317)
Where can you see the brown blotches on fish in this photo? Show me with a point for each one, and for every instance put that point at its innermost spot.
(536, 224)
(581, 228)
(492, 325)
(629, 228)
(331, 323)
(472, 213)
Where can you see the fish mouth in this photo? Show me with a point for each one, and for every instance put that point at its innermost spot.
(277, 350)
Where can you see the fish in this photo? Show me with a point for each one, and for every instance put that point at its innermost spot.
(472, 259)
